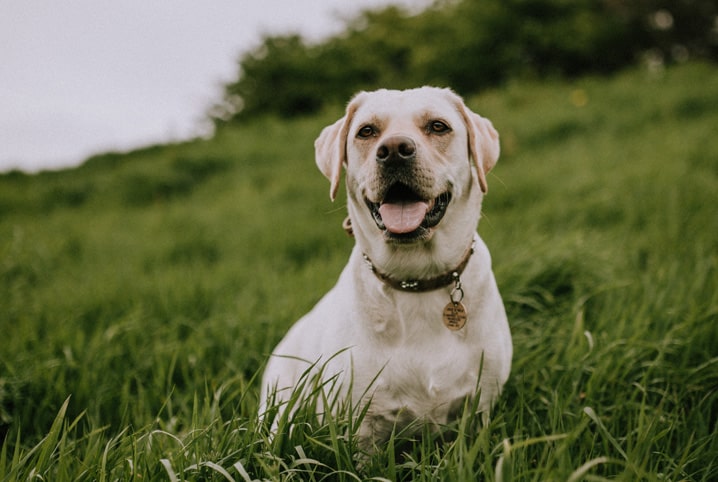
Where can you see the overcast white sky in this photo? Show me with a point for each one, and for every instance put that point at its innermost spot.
(79, 77)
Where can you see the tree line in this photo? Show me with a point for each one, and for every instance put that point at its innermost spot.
(468, 45)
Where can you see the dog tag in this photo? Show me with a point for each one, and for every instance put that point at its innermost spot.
(454, 315)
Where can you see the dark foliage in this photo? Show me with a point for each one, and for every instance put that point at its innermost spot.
(468, 45)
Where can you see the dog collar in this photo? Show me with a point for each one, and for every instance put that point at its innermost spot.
(421, 285)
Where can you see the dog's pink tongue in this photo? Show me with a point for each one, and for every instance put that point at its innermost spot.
(403, 217)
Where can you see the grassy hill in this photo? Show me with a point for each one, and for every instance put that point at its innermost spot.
(141, 293)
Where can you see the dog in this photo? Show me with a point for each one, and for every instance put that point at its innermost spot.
(415, 325)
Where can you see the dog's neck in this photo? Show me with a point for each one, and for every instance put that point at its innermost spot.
(427, 284)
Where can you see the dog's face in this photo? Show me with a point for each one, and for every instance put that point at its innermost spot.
(416, 163)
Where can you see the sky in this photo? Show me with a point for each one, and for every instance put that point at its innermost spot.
(82, 77)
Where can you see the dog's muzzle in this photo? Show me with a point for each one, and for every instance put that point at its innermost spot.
(403, 212)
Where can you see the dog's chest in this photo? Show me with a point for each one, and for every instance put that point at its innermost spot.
(425, 369)
(426, 380)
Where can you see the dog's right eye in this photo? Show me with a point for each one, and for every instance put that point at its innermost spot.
(366, 131)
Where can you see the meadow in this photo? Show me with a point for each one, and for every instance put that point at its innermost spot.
(141, 294)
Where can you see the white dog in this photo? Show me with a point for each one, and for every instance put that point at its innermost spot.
(415, 324)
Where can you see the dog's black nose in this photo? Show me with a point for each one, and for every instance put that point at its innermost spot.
(396, 149)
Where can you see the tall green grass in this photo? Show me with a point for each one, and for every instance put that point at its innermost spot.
(141, 294)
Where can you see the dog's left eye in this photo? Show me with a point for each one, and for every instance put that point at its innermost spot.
(438, 127)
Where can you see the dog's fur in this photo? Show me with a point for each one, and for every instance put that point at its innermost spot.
(386, 346)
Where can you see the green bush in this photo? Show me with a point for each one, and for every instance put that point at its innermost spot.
(468, 45)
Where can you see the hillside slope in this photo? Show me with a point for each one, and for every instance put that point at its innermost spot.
(151, 286)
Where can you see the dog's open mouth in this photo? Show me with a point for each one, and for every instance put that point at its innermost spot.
(404, 215)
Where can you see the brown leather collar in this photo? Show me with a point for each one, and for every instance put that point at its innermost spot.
(421, 285)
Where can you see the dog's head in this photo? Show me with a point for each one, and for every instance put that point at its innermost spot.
(416, 164)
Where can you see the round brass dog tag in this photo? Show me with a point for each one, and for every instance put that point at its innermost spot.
(454, 316)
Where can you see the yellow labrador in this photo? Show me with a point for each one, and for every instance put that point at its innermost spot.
(415, 323)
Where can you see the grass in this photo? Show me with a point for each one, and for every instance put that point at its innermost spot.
(141, 294)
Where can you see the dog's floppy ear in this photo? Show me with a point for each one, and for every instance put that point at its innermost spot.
(330, 149)
(483, 143)
(330, 153)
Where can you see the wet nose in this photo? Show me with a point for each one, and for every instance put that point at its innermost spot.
(396, 149)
